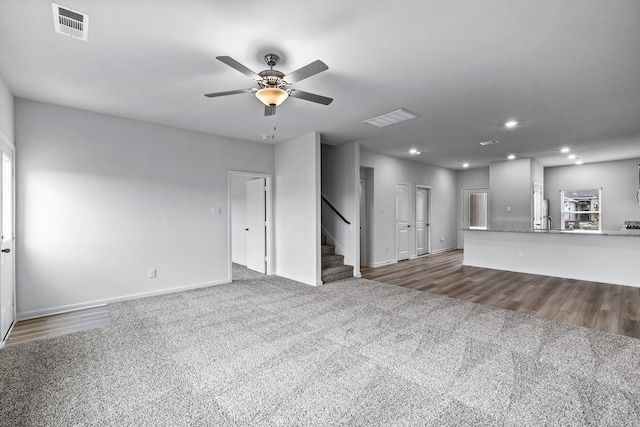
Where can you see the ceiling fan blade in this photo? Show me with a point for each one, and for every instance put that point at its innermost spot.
(310, 97)
(231, 92)
(306, 71)
(269, 110)
(238, 66)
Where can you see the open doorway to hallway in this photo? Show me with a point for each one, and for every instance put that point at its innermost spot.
(250, 224)
(366, 211)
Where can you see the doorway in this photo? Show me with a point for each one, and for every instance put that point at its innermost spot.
(250, 222)
(363, 222)
(423, 214)
(475, 211)
(403, 202)
(7, 260)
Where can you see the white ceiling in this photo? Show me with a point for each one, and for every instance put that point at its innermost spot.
(568, 70)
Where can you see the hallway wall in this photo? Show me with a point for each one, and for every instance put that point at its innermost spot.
(387, 172)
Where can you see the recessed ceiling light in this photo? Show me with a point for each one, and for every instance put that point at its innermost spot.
(493, 141)
(413, 151)
(465, 165)
(565, 149)
(418, 152)
(511, 124)
(571, 156)
(511, 156)
(578, 162)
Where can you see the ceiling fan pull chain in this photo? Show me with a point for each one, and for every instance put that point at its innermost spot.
(273, 136)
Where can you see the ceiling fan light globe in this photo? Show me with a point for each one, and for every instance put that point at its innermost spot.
(272, 96)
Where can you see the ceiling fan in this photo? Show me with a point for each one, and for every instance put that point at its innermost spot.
(274, 86)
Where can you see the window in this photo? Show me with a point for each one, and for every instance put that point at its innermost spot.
(581, 209)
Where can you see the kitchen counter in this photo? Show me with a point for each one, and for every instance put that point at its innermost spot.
(598, 256)
(628, 233)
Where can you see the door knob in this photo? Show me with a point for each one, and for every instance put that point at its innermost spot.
(6, 251)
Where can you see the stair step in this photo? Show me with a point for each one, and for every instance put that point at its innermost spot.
(332, 260)
(333, 274)
(328, 250)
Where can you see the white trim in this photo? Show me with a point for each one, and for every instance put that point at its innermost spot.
(439, 251)
(269, 216)
(97, 303)
(7, 141)
(380, 264)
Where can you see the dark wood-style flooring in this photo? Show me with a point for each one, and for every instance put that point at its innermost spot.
(594, 305)
(59, 324)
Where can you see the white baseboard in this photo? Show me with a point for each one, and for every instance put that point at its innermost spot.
(97, 303)
(437, 251)
(380, 264)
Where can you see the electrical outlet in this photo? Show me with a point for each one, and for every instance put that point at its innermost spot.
(521, 254)
(152, 273)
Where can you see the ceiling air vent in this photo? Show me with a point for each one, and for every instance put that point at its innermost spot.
(391, 118)
(70, 22)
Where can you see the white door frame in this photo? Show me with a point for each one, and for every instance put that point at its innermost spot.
(4, 141)
(462, 210)
(363, 221)
(428, 214)
(269, 215)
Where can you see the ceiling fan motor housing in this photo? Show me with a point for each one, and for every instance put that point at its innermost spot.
(272, 78)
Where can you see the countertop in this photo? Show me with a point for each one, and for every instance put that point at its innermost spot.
(625, 233)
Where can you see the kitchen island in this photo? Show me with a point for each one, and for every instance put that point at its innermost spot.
(598, 256)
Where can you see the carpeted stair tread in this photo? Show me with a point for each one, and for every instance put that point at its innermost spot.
(336, 273)
(328, 250)
(332, 260)
(333, 267)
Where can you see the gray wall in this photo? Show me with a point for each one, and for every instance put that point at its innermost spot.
(510, 195)
(297, 207)
(6, 111)
(619, 182)
(387, 172)
(103, 199)
(340, 183)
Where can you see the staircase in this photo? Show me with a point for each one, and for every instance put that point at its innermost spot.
(333, 267)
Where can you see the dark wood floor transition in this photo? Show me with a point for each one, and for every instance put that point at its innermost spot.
(595, 305)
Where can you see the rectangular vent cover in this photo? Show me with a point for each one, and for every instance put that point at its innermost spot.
(70, 22)
(391, 118)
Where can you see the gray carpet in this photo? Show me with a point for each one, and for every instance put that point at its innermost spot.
(269, 351)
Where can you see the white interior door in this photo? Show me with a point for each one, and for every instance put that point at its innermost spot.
(256, 225)
(422, 221)
(403, 200)
(7, 282)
